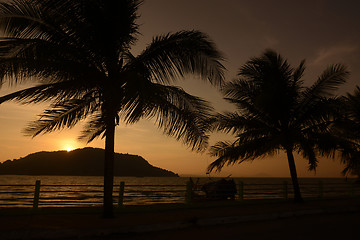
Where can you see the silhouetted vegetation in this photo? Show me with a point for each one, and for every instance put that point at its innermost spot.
(81, 162)
(349, 126)
(277, 112)
(79, 52)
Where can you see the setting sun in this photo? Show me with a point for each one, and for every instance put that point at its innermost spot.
(68, 145)
(69, 148)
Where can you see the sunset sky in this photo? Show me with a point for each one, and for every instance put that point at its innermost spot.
(321, 31)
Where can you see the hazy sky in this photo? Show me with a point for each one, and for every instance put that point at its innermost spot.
(320, 31)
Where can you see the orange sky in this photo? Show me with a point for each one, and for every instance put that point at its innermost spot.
(322, 32)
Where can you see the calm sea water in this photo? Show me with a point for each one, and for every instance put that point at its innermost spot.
(18, 190)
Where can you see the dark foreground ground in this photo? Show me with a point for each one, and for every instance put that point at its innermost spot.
(317, 219)
(320, 227)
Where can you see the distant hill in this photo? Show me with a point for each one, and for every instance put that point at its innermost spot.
(81, 162)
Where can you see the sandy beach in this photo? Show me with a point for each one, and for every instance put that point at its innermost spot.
(134, 222)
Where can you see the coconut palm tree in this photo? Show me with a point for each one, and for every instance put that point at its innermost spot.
(276, 112)
(349, 126)
(79, 53)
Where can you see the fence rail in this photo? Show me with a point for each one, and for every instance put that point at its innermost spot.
(45, 195)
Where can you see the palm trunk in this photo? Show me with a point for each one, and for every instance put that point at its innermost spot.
(109, 170)
(294, 178)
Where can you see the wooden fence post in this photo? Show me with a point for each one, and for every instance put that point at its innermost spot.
(36, 194)
(188, 197)
(241, 190)
(321, 189)
(285, 190)
(121, 194)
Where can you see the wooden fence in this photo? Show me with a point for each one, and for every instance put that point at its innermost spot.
(42, 195)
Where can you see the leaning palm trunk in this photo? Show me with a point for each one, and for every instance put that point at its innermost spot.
(294, 178)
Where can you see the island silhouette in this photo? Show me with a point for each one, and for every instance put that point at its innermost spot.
(81, 162)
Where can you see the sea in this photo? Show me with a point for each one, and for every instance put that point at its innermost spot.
(61, 191)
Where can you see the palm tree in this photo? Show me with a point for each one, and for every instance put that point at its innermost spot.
(276, 112)
(349, 126)
(79, 53)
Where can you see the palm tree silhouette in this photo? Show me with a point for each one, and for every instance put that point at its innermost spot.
(79, 51)
(276, 112)
(349, 126)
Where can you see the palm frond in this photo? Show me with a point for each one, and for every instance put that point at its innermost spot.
(307, 149)
(240, 90)
(93, 129)
(22, 59)
(351, 104)
(351, 159)
(240, 124)
(99, 31)
(173, 55)
(226, 152)
(327, 83)
(46, 92)
(241, 150)
(21, 18)
(244, 95)
(177, 113)
(63, 114)
(318, 115)
(266, 69)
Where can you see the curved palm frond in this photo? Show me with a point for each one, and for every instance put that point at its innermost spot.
(324, 87)
(178, 113)
(351, 159)
(45, 92)
(237, 124)
(319, 116)
(352, 105)
(226, 153)
(93, 129)
(173, 55)
(21, 18)
(329, 81)
(270, 66)
(241, 150)
(349, 126)
(241, 92)
(63, 114)
(95, 33)
(22, 59)
(306, 147)
(299, 73)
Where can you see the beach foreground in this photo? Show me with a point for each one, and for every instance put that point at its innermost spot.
(333, 226)
(250, 219)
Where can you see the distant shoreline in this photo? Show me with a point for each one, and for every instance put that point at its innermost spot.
(81, 162)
